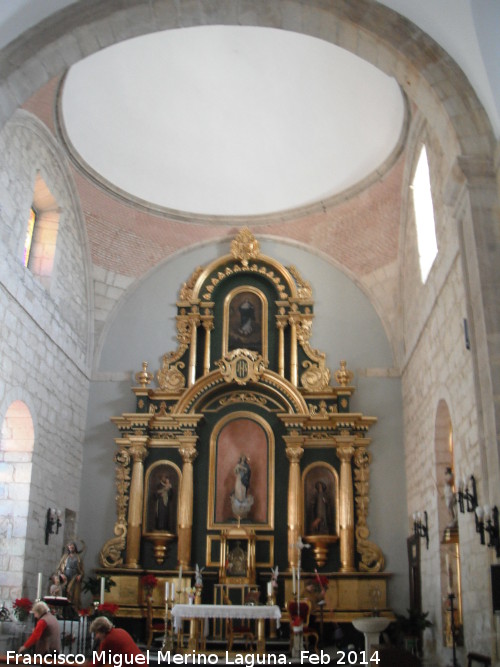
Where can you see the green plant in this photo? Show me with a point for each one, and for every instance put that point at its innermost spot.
(414, 623)
(92, 585)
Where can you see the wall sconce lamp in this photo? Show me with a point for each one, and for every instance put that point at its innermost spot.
(467, 494)
(52, 521)
(421, 528)
(487, 521)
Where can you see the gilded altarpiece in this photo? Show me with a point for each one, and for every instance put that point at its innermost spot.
(242, 444)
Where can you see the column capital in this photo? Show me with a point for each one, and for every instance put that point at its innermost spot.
(188, 453)
(294, 452)
(345, 453)
(138, 452)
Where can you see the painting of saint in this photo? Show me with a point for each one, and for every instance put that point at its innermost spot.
(162, 499)
(245, 322)
(320, 494)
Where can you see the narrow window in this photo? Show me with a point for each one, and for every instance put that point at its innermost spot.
(424, 216)
(41, 236)
(29, 236)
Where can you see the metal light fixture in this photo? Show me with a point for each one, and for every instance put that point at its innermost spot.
(52, 521)
(487, 521)
(467, 494)
(421, 526)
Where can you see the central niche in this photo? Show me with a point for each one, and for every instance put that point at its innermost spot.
(241, 460)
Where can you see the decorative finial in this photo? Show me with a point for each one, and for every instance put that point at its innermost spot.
(144, 377)
(343, 376)
(245, 246)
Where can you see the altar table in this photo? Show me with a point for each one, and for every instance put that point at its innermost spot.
(196, 612)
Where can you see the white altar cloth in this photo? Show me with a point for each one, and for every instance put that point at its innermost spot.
(182, 612)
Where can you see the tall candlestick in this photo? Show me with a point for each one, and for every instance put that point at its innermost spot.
(294, 590)
(39, 586)
(448, 573)
(103, 587)
(167, 591)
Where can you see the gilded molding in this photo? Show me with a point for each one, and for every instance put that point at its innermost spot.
(304, 286)
(242, 366)
(343, 376)
(245, 246)
(169, 377)
(111, 553)
(186, 292)
(372, 558)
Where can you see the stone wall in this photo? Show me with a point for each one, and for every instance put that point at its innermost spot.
(45, 348)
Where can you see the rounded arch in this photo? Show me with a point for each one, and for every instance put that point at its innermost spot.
(281, 390)
(370, 30)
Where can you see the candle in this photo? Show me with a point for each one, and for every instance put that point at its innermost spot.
(269, 589)
(167, 591)
(293, 581)
(180, 577)
(173, 591)
(103, 587)
(448, 573)
(39, 587)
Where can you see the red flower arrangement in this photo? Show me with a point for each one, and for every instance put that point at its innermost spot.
(22, 607)
(149, 581)
(107, 609)
(84, 612)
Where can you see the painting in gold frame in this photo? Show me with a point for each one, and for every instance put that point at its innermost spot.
(241, 486)
(320, 485)
(161, 493)
(245, 321)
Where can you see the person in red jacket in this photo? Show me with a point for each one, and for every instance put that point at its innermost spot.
(112, 641)
(46, 637)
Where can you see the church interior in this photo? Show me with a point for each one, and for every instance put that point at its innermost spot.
(250, 332)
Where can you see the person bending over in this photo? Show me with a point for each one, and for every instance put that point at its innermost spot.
(112, 641)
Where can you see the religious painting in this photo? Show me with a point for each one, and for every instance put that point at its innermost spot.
(245, 321)
(161, 491)
(321, 515)
(241, 472)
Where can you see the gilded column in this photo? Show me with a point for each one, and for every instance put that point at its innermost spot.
(138, 452)
(294, 372)
(187, 450)
(208, 325)
(194, 321)
(346, 509)
(294, 451)
(281, 346)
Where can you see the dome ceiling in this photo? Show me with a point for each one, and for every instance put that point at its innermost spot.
(230, 121)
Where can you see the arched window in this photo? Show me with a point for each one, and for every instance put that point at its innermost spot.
(41, 233)
(424, 215)
(29, 236)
